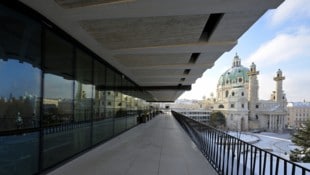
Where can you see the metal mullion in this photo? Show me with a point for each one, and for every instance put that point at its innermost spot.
(41, 132)
(92, 101)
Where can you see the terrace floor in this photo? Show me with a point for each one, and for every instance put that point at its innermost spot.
(158, 147)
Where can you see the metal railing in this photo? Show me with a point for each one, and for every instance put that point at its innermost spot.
(229, 155)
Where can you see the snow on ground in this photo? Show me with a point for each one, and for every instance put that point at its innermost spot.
(280, 144)
(250, 138)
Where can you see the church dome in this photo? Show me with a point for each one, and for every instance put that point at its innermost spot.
(236, 75)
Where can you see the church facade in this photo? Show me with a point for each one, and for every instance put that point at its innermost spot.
(237, 98)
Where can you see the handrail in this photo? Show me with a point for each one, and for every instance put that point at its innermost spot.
(229, 155)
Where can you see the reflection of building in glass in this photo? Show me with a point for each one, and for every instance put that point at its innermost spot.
(23, 110)
(237, 98)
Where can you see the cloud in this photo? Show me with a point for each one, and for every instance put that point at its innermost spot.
(283, 47)
(296, 85)
(266, 86)
(291, 10)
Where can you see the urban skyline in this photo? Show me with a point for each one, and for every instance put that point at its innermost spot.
(278, 40)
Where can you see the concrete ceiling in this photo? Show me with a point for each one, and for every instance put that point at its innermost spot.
(162, 45)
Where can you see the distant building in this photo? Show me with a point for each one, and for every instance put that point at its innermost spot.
(200, 115)
(187, 104)
(298, 114)
(194, 109)
(237, 98)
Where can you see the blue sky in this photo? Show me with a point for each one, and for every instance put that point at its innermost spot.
(280, 39)
(18, 79)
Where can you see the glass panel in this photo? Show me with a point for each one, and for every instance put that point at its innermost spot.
(19, 71)
(59, 134)
(19, 154)
(111, 94)
(20, 94)
(99, 97)
(102, 130)
(82, 101)
(120, 106)
(131, 110)
(103, 122)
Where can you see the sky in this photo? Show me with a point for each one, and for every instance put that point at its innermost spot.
(280, 39)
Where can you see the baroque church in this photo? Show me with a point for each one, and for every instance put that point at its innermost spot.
(237, 98)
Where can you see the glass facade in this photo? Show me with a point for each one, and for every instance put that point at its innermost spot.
(57, 98)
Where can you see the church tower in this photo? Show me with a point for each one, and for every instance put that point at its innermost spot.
(279, 96)
(253, 91)
(236, 62)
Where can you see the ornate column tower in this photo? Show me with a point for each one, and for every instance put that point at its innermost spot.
(253, 91)
(279, 96)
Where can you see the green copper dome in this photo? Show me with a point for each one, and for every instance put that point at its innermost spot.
(236, 75)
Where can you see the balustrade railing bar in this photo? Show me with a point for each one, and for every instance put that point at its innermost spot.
(229, 155)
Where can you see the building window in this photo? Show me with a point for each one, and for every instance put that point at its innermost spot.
(240, 80)
(257, 106)
(256, 116)
(221, 106)
(242, 105)
(231, 117)
(232, 105)
(233, 94)
(226, 94)
(242, 93)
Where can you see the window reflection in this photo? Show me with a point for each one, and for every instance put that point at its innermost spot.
(83, 87)
(20, 92)
(99, 96)
(110, 93)
(19, 95)
(84, 100)
(58, 83)
(58, 100)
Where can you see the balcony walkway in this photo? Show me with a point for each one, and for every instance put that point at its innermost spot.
(158, 147)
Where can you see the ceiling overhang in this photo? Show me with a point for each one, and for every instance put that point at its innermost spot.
(163, 46)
